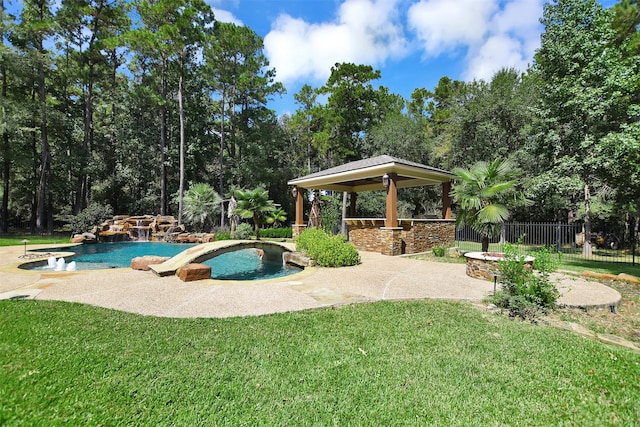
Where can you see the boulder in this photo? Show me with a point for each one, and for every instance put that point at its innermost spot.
(77, 238)
(186, 238)
(600, 276)
(89, 238)
(191, 272)
(629, 278)
(84, 238)
(143, 262)
(297, 259)
(209, 237)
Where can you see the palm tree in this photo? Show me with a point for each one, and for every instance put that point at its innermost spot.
(276, 217)
(201, 203)
(485, 193)
(254, 204)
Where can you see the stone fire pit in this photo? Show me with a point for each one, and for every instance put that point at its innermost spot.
(484, 265)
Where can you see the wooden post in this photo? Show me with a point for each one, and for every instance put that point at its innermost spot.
(299, 225)
(352, 204)
(446, 200)
(391, 219)
(299, 206)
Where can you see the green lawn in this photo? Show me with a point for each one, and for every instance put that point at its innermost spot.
(33, 240)
(400, 363)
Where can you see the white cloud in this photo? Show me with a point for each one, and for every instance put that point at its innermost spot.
(521, 20)
(495, 53)
(493, 35)
(225, 16)
(364, 31)
(445, 25)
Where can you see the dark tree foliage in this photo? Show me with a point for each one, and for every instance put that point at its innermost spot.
(97, 109)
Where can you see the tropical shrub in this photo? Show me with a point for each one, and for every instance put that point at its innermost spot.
(526, 293)
(201, 203)
(485, 193)
(244, 231)
(254, 204)
(327, 251)
(276, 217)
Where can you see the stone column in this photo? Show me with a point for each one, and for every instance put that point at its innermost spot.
(446, 200)
(391, 241)
(297, 229)
(391, 220)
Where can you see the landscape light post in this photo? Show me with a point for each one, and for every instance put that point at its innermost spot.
(25, 241)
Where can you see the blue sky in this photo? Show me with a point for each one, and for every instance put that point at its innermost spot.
(412, 42)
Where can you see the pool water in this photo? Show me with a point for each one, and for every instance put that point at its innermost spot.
(118, 254)
(244, 264)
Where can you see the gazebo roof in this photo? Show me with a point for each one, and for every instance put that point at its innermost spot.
(366, 175)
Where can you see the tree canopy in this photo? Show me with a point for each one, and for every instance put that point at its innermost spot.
(97, 109)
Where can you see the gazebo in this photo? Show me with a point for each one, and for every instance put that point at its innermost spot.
(390, 235)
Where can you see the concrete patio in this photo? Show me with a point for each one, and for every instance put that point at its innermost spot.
(377, 278)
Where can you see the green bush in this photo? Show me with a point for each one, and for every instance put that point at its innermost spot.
(526, 294)
(309, 238)
(92, 215)
(222, 235)
(327, 251)
(244, 231)
(276, 233)
(438, 251)
(547, 260)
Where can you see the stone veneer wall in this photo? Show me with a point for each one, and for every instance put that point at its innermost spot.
(391, 241)
(365, 237)
(416, 236)
(481, 269)
(425, 235)
(487, 269)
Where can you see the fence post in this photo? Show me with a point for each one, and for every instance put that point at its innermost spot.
(633, 246)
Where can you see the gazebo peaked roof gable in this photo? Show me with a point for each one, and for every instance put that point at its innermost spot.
(366, 175)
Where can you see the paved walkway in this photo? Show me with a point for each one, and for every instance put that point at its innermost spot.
(377, 278)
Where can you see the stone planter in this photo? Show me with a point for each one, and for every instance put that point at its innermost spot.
(484, 265)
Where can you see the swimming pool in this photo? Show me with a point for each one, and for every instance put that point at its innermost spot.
(243, 264)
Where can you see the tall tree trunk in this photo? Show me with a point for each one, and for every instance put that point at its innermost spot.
(163, 139)
(222, 161)
(6, 166)
(45, 154)
(35, 167)
(181, 114)
(82, 194)
(586, 248)
(6, 148)
(114, 137)
(82, 168)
